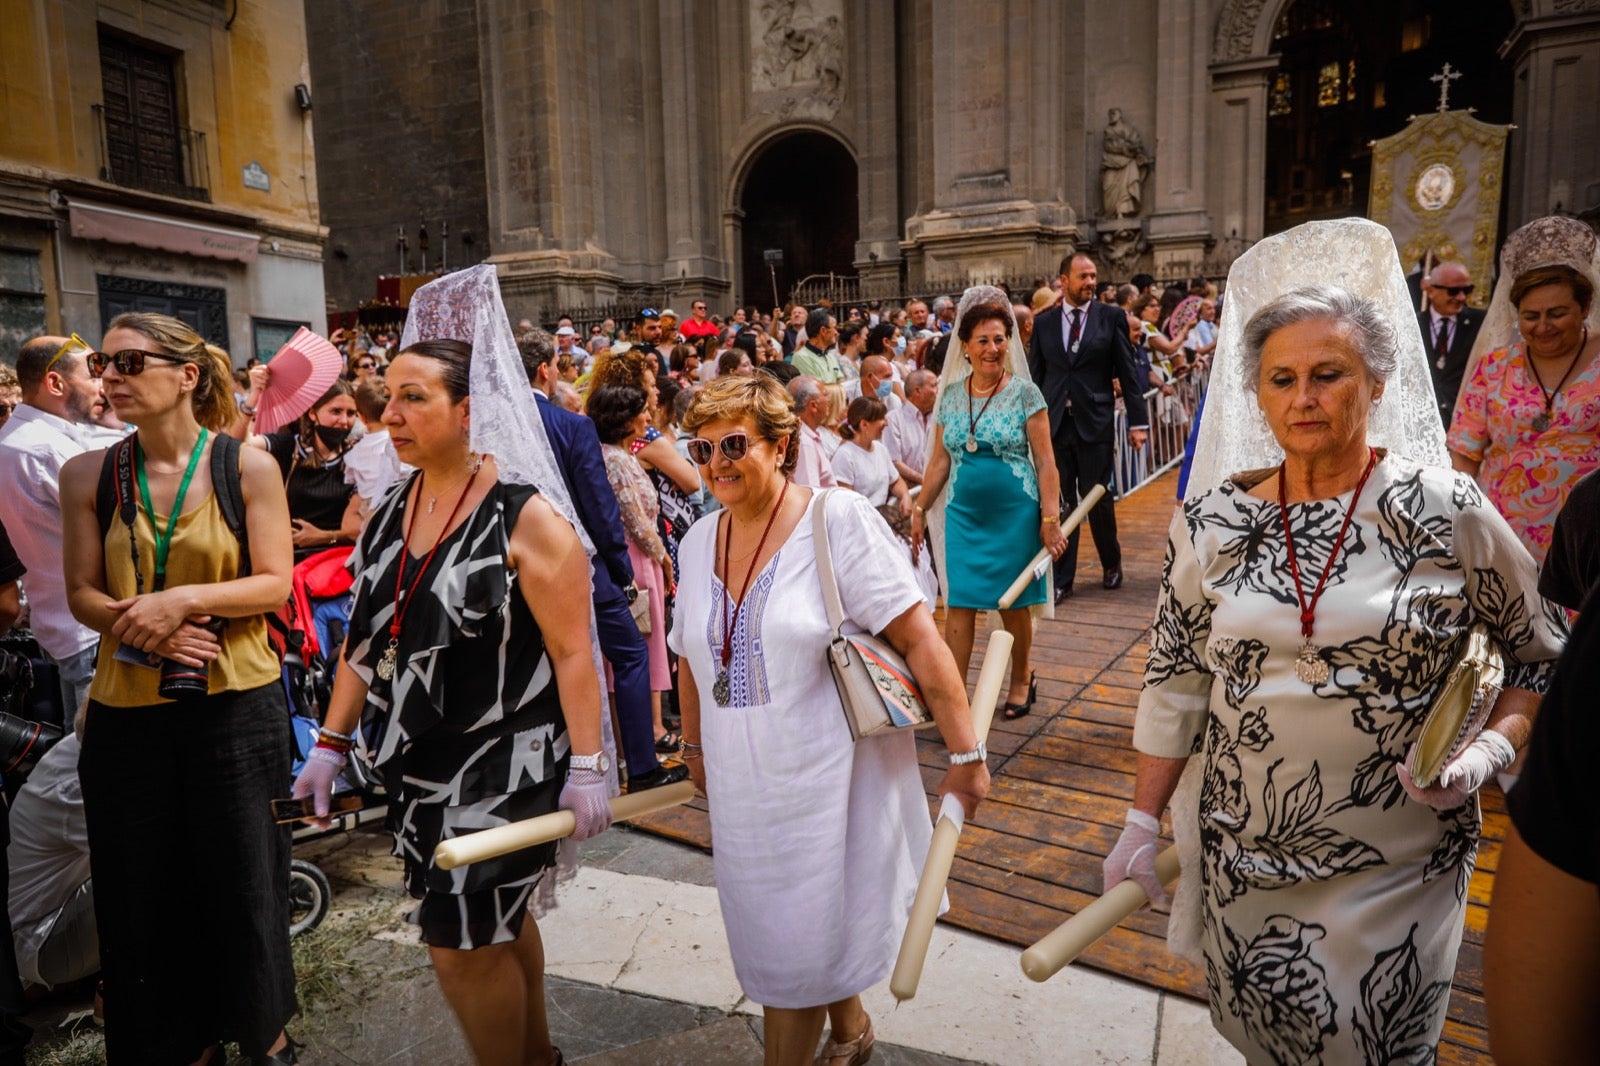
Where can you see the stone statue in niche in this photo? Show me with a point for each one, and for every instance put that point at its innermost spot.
(1124, 164)
(799, 53)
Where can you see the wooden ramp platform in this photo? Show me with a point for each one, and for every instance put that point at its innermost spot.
(1063, 780)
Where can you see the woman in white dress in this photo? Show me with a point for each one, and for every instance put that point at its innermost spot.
(1309, 613)
(819, 840)
(862, 462)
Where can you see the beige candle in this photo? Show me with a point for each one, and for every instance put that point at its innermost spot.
(947, 831)
(1072, 937)
(1035, 568)
(503, 839)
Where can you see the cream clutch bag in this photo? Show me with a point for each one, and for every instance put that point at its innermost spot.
(1460, 708)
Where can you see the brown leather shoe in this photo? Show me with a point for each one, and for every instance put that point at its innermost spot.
(848, 1052)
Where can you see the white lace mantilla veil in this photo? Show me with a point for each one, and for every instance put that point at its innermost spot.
(957, 368)
(506, 424)
(1549, 241)
(1354, 254)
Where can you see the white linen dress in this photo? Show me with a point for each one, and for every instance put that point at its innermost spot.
(1332, 903)
(818, 842)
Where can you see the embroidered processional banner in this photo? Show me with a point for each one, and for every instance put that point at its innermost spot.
(1436, 185)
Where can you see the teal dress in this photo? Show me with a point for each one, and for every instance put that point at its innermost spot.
(991, 516)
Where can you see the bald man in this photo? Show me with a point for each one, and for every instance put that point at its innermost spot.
(1448, 327)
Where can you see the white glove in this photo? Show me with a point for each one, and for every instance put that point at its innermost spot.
(587, 794)
(317, 778)
(1134, 857)
(1462, 776)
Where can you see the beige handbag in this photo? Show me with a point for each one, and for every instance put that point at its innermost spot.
(874, 683)
(640, 608)
(1460, 709)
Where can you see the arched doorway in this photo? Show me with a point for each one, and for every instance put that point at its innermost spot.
(1345, 80)
(799, 198)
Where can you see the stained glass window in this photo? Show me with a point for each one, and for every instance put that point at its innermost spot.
(1350, 81)
(1282, 96)
(1328, 88)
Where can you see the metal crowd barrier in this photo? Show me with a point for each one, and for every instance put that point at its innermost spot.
(1171, 416)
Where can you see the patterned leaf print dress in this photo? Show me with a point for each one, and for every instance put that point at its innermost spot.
(471, 733)
(1332, 903)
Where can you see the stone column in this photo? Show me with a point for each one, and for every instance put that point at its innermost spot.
(1553, 157)
(874, 79)
(1179, 226)
(1236, 148)
(986, 220)
(686, 106)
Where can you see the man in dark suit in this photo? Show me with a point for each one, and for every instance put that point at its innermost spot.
(1448, 327)
(577, 451)
(1080, 346)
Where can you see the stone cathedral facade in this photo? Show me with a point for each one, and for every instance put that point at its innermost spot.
(733, 148)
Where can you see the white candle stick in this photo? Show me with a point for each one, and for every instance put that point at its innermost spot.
(1036, 566)
(1072, 937)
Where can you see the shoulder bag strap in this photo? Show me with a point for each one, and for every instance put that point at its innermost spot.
(227, 483)
(830, 586)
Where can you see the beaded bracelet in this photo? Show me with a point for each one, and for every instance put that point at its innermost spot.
(324, 733)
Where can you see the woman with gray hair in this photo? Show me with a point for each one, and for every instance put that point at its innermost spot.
(1309, 613)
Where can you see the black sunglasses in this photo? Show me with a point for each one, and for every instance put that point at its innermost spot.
(129, 362)
(1456, 290)
(734, 446)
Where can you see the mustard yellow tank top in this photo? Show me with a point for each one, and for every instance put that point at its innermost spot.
(204, 551)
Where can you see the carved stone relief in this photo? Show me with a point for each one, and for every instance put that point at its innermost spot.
(1124, 165)
(797, 52)
(1236, 29)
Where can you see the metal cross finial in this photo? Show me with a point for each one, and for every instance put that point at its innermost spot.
(1444, 78)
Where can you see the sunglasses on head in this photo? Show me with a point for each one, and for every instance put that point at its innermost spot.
(73, 344)
(1456, 290)
(129, 362)
(734, 446)
(649, 312)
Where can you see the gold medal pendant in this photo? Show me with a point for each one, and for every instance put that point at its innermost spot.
(1311, 667)
(386, 663)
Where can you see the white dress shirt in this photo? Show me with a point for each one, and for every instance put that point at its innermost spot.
(34, 445)
(372, 467)
(906, 436)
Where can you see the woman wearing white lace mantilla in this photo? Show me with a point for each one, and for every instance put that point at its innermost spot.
(1320, 580)
(476, 682)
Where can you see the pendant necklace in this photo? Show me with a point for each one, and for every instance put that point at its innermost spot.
(972, 422)
(1541, 421)
(402, 593)
(1310, 666)
(722, 690)
(474, 462)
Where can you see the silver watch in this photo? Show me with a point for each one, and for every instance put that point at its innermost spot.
(977, 754)
(596, 762)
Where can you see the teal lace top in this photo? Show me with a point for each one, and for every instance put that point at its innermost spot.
(1003, 427)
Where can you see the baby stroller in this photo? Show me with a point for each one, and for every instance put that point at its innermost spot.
(310, 636)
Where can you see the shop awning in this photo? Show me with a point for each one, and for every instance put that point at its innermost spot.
(101, 222)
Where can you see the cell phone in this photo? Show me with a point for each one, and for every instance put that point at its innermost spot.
(304, 808)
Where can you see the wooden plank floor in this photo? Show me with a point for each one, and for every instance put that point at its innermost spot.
(1063, 779)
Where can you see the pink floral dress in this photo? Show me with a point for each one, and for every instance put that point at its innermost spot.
(1527, 473)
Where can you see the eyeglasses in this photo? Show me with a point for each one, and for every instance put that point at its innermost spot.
(73, 345)
(366, 366)
(1455, 290)
(734, 446)
(129, 362)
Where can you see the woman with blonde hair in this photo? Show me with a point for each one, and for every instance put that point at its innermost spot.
(186, 733)
(833, 421)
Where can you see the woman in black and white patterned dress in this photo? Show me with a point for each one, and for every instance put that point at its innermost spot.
(462, 645)
(1309, 613)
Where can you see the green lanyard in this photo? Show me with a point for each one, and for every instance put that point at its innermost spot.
(164, 540)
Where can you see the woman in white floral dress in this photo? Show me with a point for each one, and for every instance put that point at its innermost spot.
(1308, 615)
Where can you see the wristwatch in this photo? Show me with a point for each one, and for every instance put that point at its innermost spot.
(977, 754)
(596, 762)
(630, 593)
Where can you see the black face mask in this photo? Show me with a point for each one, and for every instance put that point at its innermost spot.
(332, 436)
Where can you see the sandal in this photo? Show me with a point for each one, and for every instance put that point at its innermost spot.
(854, 1052)
(667, 743)
(1012, 711)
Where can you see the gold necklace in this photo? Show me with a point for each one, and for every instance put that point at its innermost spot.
(474, 463)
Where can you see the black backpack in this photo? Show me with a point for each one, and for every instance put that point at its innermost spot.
(116, 495)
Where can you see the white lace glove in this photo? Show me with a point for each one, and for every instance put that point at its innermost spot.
(317, 777)
(587, 795)
(1463, 775)
(1134, 857)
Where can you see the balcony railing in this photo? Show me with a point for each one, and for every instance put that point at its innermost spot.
(170, 161)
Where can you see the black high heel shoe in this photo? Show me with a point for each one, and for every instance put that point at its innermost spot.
(1012, 711)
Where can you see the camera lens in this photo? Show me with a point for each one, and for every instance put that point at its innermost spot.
(182, 682)
(23, 743)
